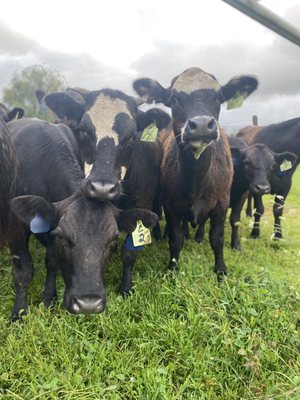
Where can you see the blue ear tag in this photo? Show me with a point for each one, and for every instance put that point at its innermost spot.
(129, 244)
(39, 225)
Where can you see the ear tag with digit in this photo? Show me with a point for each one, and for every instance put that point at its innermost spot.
(150, 133)
(141, 235)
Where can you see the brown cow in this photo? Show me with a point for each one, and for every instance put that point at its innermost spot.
(197, 169)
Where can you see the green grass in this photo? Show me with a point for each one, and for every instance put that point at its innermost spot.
(186, 338)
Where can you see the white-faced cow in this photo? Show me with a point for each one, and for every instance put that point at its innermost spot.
(78, 230)
(280, 137)
(196, 170)
(103, 121)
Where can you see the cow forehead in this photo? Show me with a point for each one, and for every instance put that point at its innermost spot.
(103, 113)
(195, 79)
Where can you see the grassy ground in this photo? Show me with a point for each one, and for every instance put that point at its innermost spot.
(187, 338)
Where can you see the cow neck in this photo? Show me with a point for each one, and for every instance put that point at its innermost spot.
(194, 171)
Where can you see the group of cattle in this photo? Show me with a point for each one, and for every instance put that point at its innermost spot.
(189, 168)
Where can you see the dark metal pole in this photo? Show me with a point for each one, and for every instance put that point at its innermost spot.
(267, 18)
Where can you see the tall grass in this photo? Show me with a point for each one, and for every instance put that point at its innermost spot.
(182, 338)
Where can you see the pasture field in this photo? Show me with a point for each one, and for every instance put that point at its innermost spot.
(182, 338)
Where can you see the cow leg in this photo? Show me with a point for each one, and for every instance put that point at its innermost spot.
(216, 238)
(185, 229)
(249, 206)
(259, 210)
(128, 260)
(157, 208)
(176, 238)
(235, 218)
(199, 236)
(278, 211)
(22, 271)
(49, 294)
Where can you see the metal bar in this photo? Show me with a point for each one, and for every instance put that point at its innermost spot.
(267, 18)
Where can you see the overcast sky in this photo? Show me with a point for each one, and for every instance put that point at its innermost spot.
(97, 44)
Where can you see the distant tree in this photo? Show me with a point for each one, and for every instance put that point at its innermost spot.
(21, 92)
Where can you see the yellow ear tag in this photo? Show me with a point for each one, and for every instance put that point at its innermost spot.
(141, 235)
(285, 165)
(200, 150)
(235, 102)
(150, 133)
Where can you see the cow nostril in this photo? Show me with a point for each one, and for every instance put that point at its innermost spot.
(192, 125)
(211, 124)
(113, 189)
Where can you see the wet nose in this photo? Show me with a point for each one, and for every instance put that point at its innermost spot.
(102, 190)
(87, 305)
(204, 128)
(264, 189)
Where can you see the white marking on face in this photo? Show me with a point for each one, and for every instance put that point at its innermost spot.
(195, 79)
(103, 113)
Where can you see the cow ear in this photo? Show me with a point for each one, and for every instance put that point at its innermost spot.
(16, 112)
(239, 86)
(68, 105)
(35, 211)
(285, 161)
(39, 94)
(127, 219)
(237, 155)
(160, 117)
(151, 90)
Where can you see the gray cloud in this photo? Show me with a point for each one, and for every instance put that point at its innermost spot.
(18, 52)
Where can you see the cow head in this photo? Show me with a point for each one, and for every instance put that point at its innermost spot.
(260, 164)
(103, 121)
(84, 232)
(195, 98)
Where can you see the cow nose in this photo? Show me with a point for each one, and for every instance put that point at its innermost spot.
(264, 189)
(87, 305)
(202, 128)
(102, 190)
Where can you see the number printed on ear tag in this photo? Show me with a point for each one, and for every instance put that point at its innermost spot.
(141, 235)
(150, 133)
(285, 165)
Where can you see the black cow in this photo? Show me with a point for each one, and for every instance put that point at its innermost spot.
(197, 167)
(8, 115)
(8, 165)
(78, 230)
(279, 137)
(141, 185)
(257, 169)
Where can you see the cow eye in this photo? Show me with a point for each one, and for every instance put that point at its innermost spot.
(174, 102)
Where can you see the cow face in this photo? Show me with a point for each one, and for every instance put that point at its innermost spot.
(84, 232)
(260, 165)
(195, 98)
(103, 121)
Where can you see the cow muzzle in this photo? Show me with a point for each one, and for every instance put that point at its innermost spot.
(86, 305)
(200, 129)
(101, 190)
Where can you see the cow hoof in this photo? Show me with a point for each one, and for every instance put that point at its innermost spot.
(18, 316)
(173, 266)
(49, 301)
(126, 292)
(236, 247)
(254, 235)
